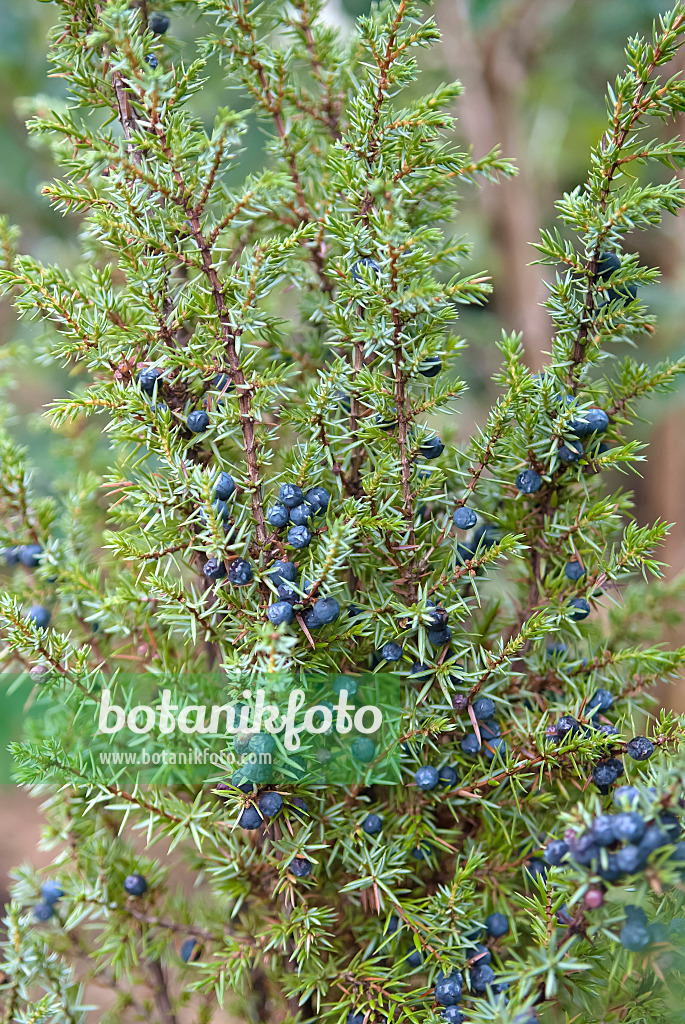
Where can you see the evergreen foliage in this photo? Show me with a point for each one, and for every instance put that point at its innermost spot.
(290, 339)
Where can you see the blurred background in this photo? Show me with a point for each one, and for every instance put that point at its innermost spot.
(535, 73)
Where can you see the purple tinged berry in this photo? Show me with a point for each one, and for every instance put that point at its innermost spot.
(240, 572)
(556, 851)
(300, 867)
(214, 569)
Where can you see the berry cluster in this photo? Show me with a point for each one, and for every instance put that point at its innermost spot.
(296, 509)
(29, 555)
(283, 578)
(490, 734)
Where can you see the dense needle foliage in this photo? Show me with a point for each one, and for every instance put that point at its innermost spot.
(272, 365)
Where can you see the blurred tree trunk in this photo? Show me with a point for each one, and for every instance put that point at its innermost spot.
(493, 64)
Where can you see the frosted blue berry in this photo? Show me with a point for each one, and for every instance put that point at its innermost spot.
(470, 744)
(482, 975)
(584, 850)
(447, 776)
(430, 367)
(575, 571)
(593, 421)
(159, 23)
(464, 518)
(299, 537)
(630, 859)
(51, 892)
(214, 569)
(300, 867)
(148, 378)
(555, 851)
(497, 925)
(39, 616)
(635, 937)
(495, 746)
(270, 804)
(153, 62)
(278, 516)
(426, 777)
(224, 486)
(42, 912)
(448, 990)
(11, 555)
(30, 555)
(489, 729)
(135, 885)
(604, 774)
(301, 514)
(640, 748)
(319, 499)
(626, 795)
(528, 481)
(250, 819)
(280, 612)
(391, 651)
(198, 421)
(603, 830)
(290, 495)
(372, 824)
(629, 827)
(484, 708)
(453, 1015)
(326, 610)
(240, 572)
(600, 701)
(579, 609)
(282, 571)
